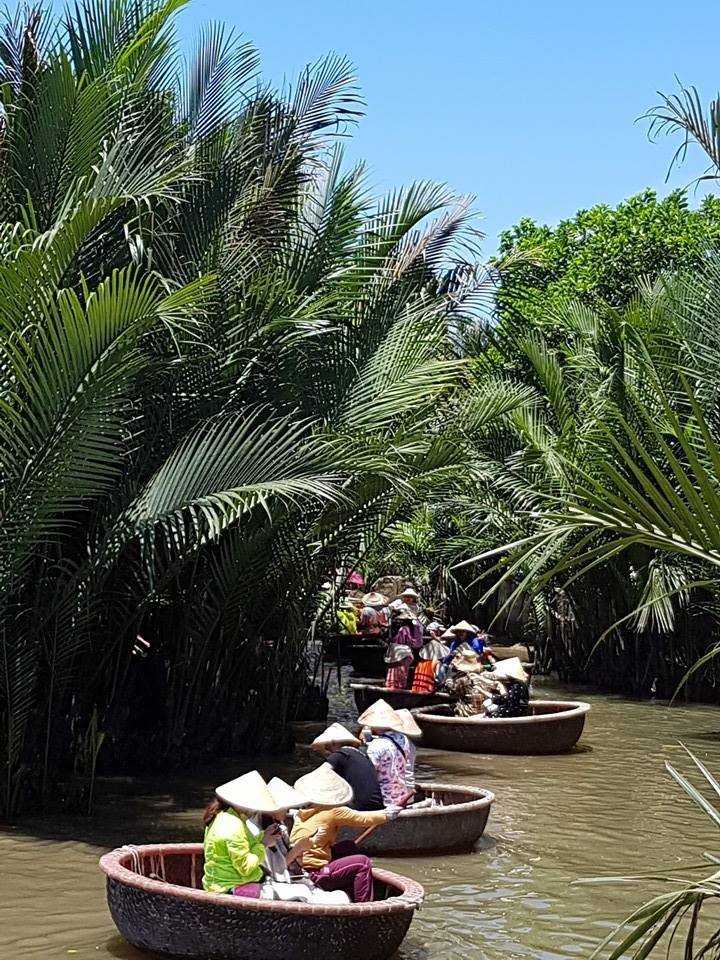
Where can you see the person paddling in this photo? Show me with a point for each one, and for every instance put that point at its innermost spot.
(328, 796)
(345, 754)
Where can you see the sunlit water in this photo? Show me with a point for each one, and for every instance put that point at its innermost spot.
(608, 808)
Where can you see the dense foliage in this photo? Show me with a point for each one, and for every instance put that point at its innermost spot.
(602, 502)
(592, 523)
(227, 370)
(224, 369)
(599, 255)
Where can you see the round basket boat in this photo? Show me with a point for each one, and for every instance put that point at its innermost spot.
(367, 693)
(156, 901)
(456, 822)
(553, 726)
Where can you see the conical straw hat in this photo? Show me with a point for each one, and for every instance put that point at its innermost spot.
(374, 599)
(409, 592)
(335, 733)
(467, 661)
(287, 797)
(324, 788)
(463, 625)
(381, 716)
(409, 726)
(249, 793)
(448, 635)
(511, 669)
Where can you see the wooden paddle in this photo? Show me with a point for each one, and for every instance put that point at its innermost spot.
(366, 833)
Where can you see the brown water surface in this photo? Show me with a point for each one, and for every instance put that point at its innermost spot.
(608, 808)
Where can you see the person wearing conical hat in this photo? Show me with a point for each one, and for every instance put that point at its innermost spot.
(468, 683)
(328, 796)
(374, 618)
(234, 843)
(406, 638)
(511, 697)
(413, 732)
(281, 855)
(388, 749)
(468, 634)
(347, 617)
(348, 758)
(408, 597)
(426, 669)
(399, 654)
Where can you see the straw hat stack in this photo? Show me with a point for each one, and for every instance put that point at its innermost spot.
(380, 717)
(336, 733)
(324, 788)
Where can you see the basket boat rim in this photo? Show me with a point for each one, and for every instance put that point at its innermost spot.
(571, 709)
(112, 864)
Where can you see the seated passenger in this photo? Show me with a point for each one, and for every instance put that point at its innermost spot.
(348, 758)
(328, 795)
(388, 749)
(426, 670)
(476, 639)
(511, 696)
(468, 683)
(373, 616)
(234, 843)
(413, 732)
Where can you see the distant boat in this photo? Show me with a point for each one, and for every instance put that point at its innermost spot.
(367, 693)
(456, 823)
(553, 726)
(157, 903)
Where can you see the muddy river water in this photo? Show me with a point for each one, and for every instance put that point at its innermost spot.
(608, 808)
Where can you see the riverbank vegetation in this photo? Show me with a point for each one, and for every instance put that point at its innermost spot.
(225, 366)
(228, 370)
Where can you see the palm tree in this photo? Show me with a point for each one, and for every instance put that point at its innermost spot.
(226, 369)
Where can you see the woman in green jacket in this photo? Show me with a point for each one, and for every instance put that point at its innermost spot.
(235, 844)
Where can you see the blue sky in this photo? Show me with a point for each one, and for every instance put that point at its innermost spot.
(530, 107)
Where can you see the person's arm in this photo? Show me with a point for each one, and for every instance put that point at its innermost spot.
(359, 818)
(298, 849)
(247, 853)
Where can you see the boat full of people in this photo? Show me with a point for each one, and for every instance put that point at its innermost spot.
(477, 696)
(157, 901)
(273, 878)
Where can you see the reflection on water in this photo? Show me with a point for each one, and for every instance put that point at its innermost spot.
(608, 808)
